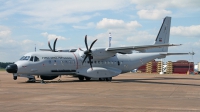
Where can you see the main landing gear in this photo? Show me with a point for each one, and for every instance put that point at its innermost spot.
(31, 80)
(105, 79)
(81, 78)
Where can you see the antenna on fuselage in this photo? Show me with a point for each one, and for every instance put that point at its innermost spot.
(35, 47)
(110, 37)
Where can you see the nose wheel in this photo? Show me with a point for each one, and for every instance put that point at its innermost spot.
(14, 77)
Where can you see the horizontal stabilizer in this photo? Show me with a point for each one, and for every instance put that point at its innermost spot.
(190, 53)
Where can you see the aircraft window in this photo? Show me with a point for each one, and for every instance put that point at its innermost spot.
(94, 61)
(55, 61)
(118, 63)
(22, 58)
(36, 59)
(31, 58)
(49, 61)
(26, 58)
(98, 62)
(62, 62)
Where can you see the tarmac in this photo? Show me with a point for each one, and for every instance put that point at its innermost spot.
(130, 92)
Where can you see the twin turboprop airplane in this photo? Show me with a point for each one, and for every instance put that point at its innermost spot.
(101, 63)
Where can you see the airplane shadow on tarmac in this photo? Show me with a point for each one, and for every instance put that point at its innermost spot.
(155, 80)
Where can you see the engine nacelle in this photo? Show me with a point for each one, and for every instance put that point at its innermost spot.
(48, 77)
(98, 54)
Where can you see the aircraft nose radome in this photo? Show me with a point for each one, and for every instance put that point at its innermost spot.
(12, 68)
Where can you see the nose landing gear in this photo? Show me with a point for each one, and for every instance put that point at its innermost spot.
(14, 76)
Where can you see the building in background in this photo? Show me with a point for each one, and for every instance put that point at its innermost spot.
(178, 67)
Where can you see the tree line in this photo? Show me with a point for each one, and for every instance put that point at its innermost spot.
(4, 64)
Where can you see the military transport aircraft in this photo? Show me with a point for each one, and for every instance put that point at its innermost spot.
(101, 63)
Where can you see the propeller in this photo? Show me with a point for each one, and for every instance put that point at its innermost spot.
(88, 52)
(54, 46)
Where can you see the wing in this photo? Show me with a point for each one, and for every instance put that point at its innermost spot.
(45, 49)
(128, 49)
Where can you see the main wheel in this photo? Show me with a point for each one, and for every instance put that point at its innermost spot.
(87, 78)
(109, 79)
(101, 79)
(81, 78)
(31, 80)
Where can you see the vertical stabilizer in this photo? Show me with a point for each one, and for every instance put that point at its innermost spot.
(163, 36)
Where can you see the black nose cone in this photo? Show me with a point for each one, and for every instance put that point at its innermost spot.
(12, 68)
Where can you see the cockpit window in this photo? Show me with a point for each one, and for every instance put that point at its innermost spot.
(36, 59)
(25, 58)
(22, 58)
(31, 58)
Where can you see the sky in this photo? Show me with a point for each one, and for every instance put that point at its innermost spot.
(25, 24)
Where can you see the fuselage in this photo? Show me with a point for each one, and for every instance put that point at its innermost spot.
(70, 63)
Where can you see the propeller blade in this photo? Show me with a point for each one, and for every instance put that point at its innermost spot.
(92, 44)
(84, 59)
(54, 45)
(86, 42)
(50, 46)
(88, 52)
(90, 62)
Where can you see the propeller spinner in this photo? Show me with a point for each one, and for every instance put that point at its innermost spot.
(54, 46)
(88, 52)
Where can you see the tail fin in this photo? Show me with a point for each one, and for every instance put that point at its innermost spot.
(163, 36)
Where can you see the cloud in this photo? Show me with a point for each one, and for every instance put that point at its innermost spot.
(153, 14)
(51, 12)
(87, 26)
(158, 4)
(52, 36)
(188, 31)
(141, 37)
(12, 48)
(157, 9)
(106, 23)
(4, 32)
